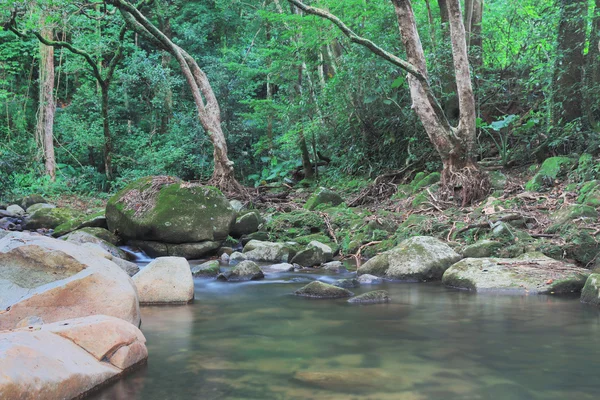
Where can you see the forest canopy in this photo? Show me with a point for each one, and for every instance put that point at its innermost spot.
(96, 94)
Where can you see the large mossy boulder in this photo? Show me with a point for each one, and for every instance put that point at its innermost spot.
(420, 258)
(209, 269)
(551, 169)
(589, 194)
(315, 253)
(95, 220)
(320, 290)
(166, 209)
(532, 273)
(323, 196)
(50, 218)
(591, 291)
(569, 213)
(245, 224)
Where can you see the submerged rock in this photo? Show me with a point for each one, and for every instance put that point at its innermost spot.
(530, 273)
(591, 291)
(257, 250)
(67, 359)
(165, 280)
(349, 380)
(209, 269)
(320, 290)
(420, 258)
(56, 280)
(166, 209)
(374, 297)
(244, 271)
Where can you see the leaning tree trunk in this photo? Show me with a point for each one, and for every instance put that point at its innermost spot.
(205, 100)
(47, 107)
(568, 73)
(461, 177)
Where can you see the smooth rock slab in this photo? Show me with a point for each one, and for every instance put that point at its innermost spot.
(67, 359)
(374, 297)
(56, 280)
(420, 258)
(320, 290)
(532, 273)
(244, 271)
(166, 280)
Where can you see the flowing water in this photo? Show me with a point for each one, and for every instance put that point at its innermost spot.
(255, 340)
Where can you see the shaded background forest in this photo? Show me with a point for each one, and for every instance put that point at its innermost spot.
(280, 78)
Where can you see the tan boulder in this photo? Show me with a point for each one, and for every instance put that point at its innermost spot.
(165, 280)
(67, 359)
(55, 280)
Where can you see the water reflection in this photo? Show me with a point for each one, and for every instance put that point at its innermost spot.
(255, 340)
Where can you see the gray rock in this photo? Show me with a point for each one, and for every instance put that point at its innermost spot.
(347, 283)
(315, 253)
(420, 258)
(374, 297)
(166, 280)
(367, 279)
(236, 205)
(281, 267)
(225, 257)
(334, 266)
(80, 237)
(320, 290)
(15, 210)
(245, 224)
(30, 200)
(323, 196)
(244, 271)
(190, 251)
(209, 269)
(256, 250)
(236, 257)
(532, 273)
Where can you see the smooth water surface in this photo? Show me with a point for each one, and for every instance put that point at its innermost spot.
(255, 340)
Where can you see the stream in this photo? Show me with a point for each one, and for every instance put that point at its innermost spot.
(255, 340)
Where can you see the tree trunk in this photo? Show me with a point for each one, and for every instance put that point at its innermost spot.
(47, 106)
(592, 74)
(568, 72)
(306, 164)
(448, 84)
(104, 86)
(206, 103)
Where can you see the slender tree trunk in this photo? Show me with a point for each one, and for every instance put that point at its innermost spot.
(592, 75)
(108, 147)
(568, 72)
(306, 164)
(448, 84)
(47, 106)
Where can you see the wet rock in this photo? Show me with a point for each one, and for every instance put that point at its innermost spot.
(367, 279)
(420, 258)
(256, 250)
(177, 212)
(591, 291)
(209, 269)
(246, 224)
(315, 253)
(98, 349)
(532, 273)
(323, 196)
(334, 266)
(347, 283)
(236, 257)
(165, 280)
(57, 280)
(320, 290)
(374, 297)
(244, 271)
(482, 248)
(225, 257)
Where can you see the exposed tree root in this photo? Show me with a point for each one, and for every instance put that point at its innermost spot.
(464, 186)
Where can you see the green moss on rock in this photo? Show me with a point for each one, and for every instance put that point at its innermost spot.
(320, 290)
(551, 169)
(323, 196)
